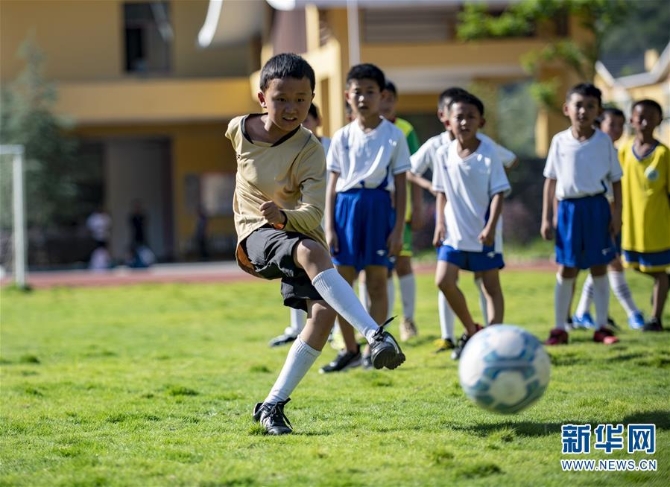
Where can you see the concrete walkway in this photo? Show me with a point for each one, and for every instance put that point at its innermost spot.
(221, 271)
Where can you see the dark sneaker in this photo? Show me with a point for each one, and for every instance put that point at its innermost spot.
(460, 345)
(344, 360)
(605, 335)
(611, 323)
(557, 337)
(384, 349)
(272, 417)
(444, 344)
(653, 325)
(284, 339)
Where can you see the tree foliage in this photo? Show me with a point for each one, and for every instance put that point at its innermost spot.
(50, 156)
(522, 18)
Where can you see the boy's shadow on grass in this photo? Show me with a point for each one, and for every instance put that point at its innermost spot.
(530, 429)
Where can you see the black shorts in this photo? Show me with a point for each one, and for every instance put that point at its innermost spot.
(270, 251)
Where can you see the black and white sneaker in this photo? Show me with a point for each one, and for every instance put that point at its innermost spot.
(283, 339)
(344, 360)
(272, 417)
(384, 349)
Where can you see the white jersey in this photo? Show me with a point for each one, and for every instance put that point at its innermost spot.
(469, 185)
(368, 160)
(424, 158)
(582, 168)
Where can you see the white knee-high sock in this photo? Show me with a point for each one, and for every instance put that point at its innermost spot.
(601, 299)
(363, 296)
(562, 297)
(390, 291)
(298, 317)
(586, 298)
(482, 301)
(447, 317)
(298, 361)
(408, 295)
(621, 290)
(341, 297)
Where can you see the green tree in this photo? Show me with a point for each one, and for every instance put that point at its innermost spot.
(523, 18)
(26, 118)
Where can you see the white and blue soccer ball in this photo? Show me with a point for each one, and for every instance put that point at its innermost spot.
(504, 369)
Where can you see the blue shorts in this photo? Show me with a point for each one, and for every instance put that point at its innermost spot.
(583, 238)
(364, 220)
(485, 260)
(647, 261)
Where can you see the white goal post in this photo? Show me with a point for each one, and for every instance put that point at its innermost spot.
(19, 212)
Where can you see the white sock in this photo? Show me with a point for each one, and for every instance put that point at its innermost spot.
(482, 301)
(601, 299)
(390, 291)
(408, 295)
(298, 361)
(562, 297)
(447, 317)
(586, 298)
(341, 297)
(363, 296)
(622, 292)
(298, 317)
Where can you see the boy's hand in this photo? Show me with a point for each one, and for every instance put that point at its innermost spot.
(615, 223)
(547, 230)
(333, 242)
(394, 242)
(438, 235)
(488, 235)
(272, 213)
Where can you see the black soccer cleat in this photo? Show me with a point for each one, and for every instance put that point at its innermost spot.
(384, 349)
(272, 417)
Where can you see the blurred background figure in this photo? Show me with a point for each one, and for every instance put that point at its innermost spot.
(99, 224)
(140, 255)
(201, 234)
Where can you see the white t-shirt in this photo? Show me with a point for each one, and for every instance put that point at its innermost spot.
(100, 226)
(582, 168)
(469, 184)
(424, 158)
(368, 160)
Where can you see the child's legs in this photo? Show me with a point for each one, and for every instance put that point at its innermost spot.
(483, 300)
(495, 299)
(348, 335)
(377, 278)
(446, 278)
(660, 294)
(320, 320)
(601, 293)
(565, 286)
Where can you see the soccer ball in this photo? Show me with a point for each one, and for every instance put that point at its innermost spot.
(504, 369)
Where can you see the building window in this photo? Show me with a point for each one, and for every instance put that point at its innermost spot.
(148, 37)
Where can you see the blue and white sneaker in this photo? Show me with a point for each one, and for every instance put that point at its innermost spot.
(584, 321)
(636, 321)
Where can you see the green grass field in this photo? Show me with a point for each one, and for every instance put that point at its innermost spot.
(153, 385)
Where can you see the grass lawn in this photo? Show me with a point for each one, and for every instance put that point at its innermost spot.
(153, 385)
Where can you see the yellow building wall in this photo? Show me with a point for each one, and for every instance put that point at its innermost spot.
(83, 40)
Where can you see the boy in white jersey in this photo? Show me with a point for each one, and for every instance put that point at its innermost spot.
(470, 183)
(611, 122)
(580, 166)
(422, 160)
(646, 205)
(278, 206)
(365, 199)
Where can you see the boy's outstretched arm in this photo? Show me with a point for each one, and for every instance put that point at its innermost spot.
(548, 193)
(394, 242)
(440, 224)
(615, 221)
(488, 234)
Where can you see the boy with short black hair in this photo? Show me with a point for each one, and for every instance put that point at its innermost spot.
(365, 199)
(278, 206)
(581, 165)
(646, 205)
(470, 182)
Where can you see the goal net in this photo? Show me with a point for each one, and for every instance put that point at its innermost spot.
(13, 242)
